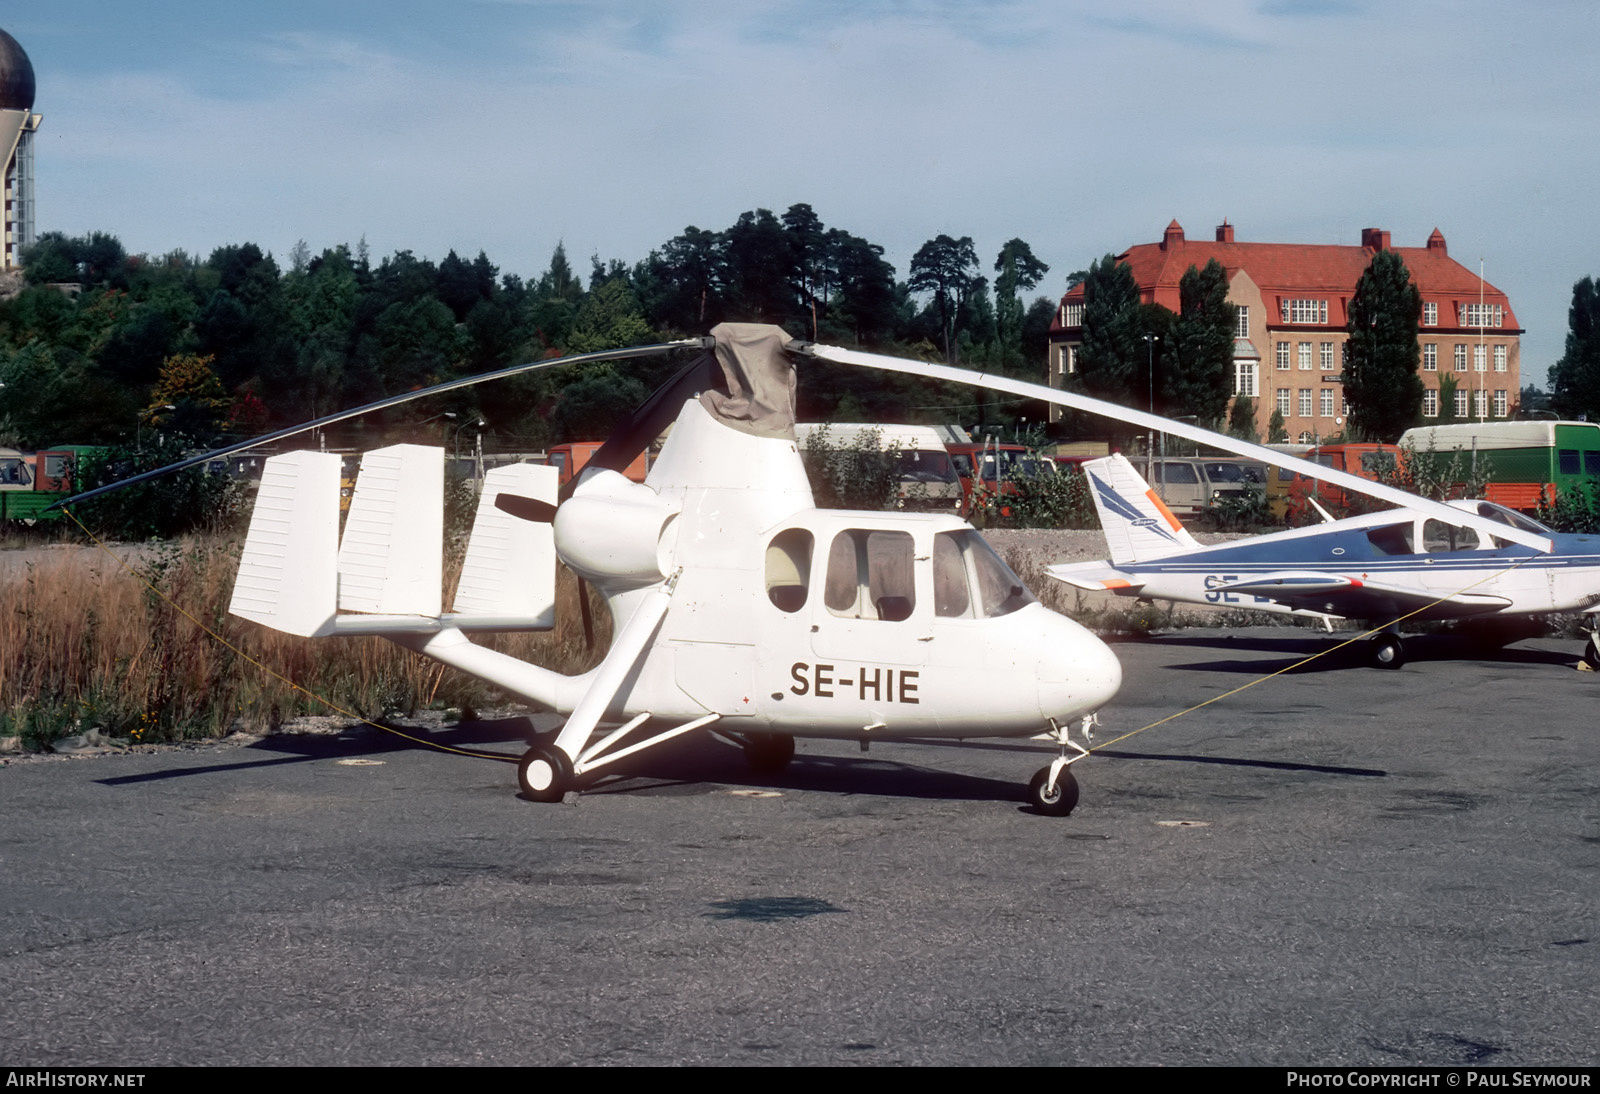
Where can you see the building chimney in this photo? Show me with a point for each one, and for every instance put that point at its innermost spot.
(1436, 243)
(1172, 238)
(1376, 238)
(1224, 231)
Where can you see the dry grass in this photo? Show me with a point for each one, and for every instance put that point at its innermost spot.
(85, 643)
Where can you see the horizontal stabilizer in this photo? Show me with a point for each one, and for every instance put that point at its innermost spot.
(391, 561)
(1096, 576)
(510, 569)
(287, 577)
(1138, 525)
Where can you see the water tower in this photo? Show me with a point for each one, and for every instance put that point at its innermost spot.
(18, 124)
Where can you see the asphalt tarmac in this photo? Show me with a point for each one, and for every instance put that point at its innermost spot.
(1341, 866)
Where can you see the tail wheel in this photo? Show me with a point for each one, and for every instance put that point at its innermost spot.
(768, 752)
(1056, 801)
(545, 774)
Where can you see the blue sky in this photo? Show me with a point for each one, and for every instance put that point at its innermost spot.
(510, 125)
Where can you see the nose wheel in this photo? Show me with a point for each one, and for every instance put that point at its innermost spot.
(1053, 797)
(1053, 790)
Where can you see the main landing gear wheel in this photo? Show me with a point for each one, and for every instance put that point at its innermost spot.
(768, 752)
(1386, 651)
(545, 774)
(1060, 799)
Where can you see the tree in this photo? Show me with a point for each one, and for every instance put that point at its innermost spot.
(1242, 419)
(1447, 398)
(1380, 378)
(1113, 353)
(1019, 271)
(1276, 431)
(188, 398)
(1199, 378)
(947, 268)
(1575, 379)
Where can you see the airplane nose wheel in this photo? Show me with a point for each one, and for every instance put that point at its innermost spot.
(1057, 800)
(545, 774)
(1386, 651)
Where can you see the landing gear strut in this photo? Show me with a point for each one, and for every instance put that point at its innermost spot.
(1591, 649)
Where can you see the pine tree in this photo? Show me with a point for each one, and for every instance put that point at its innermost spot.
(1575, 379)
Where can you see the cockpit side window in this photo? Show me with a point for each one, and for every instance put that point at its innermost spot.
(870, 575)
(1393, 539)
(1439, 537)
(970, 581)
(789, 568)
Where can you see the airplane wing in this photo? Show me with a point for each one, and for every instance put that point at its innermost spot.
(1336, 594)
(1097, 577)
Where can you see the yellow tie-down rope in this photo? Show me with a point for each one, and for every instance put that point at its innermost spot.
(329, 703)
(1313, 657)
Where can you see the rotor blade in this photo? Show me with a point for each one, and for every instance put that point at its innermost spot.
(540, 512)
(995, 382)
(393, 400)
(645, 424)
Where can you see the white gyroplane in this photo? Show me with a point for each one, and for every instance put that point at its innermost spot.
(736, 604)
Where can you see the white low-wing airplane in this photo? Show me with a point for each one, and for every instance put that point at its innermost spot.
(736, 604)
(1378, 567)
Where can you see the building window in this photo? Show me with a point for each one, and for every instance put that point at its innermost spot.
(1069, 358)
(1327, 402)
(1306, 437)
(1461, 357)
(1305, 311)
(1480, 399)
(1327, 357)
(1430, 403)
(1305, 402)
(1430, 315)
(1282, 354)
(1283, 401)
(1072, 315)
(1305, 356)
(1500, 403)
(1430, 358)
(1477, 358)
(1244, 323)
(1461, 404)
(1499, 358)
(1244, 379)
(1481, 315)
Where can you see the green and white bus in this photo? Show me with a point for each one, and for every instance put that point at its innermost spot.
(1528, 461)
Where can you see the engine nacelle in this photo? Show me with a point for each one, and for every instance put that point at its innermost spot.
(615, 533)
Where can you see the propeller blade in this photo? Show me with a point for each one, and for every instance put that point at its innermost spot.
(540, 512)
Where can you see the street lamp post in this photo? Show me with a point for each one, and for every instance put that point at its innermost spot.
(1150, 341)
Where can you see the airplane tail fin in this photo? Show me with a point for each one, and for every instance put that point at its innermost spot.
(296, 575)
(1138, 525)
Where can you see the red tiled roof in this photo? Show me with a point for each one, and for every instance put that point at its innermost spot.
(1291, 270)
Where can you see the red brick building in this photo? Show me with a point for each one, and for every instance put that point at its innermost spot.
(1293, 300)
